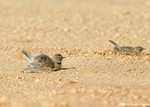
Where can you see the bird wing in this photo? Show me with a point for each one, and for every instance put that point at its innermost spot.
(40, 63)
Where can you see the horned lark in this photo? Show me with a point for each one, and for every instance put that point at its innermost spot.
(127, 49)
(43, 62)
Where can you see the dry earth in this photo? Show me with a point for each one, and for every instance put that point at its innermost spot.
(92, 75)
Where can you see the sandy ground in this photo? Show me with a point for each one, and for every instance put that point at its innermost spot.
(79, 30)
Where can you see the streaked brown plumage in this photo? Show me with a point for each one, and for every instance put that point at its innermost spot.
(43, 62)
(127, 49)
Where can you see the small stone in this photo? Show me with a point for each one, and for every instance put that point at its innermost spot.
(108, 58)
(73, 91)
(66, 29)
(37, 80)
(136, 97)
(18, 77)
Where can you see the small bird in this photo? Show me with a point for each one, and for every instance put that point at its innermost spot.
(127, 49)
(43, 62)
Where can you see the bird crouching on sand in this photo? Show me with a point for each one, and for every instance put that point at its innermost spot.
(127, 49)
(42, 62)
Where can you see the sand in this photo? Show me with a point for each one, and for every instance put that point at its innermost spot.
(92, 74)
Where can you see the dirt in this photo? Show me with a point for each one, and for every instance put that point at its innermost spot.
(92, 74)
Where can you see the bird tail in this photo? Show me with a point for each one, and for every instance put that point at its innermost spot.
(114, 43)
(27, 54)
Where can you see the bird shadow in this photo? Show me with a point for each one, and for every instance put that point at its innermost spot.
(68, 68)
(28, 71)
